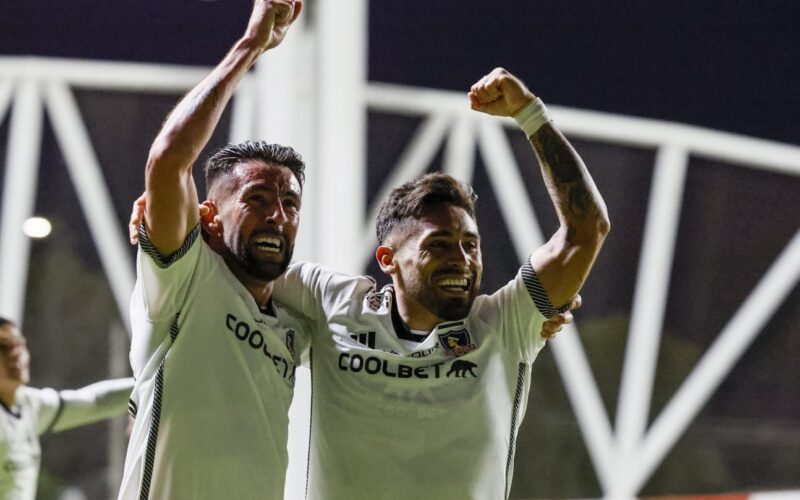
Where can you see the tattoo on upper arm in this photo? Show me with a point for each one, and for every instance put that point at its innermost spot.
(567, 180)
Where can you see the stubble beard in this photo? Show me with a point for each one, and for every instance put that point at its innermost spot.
(255, 267)
(264, 270)
(445, 308)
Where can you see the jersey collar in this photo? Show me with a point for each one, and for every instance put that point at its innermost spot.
(13, 411)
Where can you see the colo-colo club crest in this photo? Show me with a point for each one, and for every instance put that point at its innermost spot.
(456, 342)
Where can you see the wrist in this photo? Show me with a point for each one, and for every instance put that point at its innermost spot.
(532, 116)
(251, 43)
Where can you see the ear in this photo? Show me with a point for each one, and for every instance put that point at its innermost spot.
(298, 6)
(208, 218)
(385, 257)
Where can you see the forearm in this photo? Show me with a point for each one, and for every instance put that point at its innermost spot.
(94, 402)
(171, 195)
(564, 262)
(580, 208)
(190, 125)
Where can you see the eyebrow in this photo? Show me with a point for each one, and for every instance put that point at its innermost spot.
(248, 188)
(445, 233)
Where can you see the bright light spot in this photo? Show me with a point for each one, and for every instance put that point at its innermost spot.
(37, 227)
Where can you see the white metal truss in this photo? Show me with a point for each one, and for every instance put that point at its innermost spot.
(48, 84)
(624, 454)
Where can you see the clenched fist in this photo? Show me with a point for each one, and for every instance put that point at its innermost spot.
(271, 19)
(499, 93)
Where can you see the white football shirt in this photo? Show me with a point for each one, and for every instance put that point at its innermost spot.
(393, 418)
(37, 411)
(215, 379)
(20, 453)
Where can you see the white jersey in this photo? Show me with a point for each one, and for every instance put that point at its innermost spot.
(215, 379)
(37, 411)
(433, 420)
(34, 412)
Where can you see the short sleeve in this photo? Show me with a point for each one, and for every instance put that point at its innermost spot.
(318, 293)
(517, 311)
(162, 282)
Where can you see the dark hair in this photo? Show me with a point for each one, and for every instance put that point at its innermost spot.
(5, 322)
(413, 199)
(223, 160)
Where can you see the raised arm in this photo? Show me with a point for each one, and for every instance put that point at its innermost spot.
(564, 262)
(171, 195)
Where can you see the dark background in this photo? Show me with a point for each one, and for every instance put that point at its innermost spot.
(729, 65)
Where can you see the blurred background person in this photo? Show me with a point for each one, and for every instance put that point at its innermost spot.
(27, 413)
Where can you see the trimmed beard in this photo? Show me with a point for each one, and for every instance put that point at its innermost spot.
(265, 271)
(448, 309)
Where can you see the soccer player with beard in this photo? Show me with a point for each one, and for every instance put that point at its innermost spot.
(214, 358)
(418, 390)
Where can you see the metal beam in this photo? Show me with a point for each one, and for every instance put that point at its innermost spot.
(649, 303)
(110, 237)
(734, 340)
(19, 197)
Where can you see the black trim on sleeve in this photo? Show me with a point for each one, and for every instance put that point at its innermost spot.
(160, 260)
(57, 415)
(537, 293)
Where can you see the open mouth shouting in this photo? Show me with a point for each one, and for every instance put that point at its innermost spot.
(452, 284)
(268, 244)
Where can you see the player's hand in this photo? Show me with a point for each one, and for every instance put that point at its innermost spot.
(556, 322)
(270, 20)
(137, 216)
(499, 93)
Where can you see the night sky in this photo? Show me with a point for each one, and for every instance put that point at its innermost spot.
(731, 65)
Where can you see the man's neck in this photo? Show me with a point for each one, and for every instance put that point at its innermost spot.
(259, 289)
(414, 314)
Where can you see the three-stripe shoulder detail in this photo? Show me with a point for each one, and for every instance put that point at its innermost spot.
(537, 293)
(161, 261)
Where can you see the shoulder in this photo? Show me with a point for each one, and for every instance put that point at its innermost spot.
(27, 393)
(33, 398)
(317, 275)
(165, 261)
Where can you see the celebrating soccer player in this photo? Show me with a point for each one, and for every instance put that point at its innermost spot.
(214, 358)
(419, 389)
